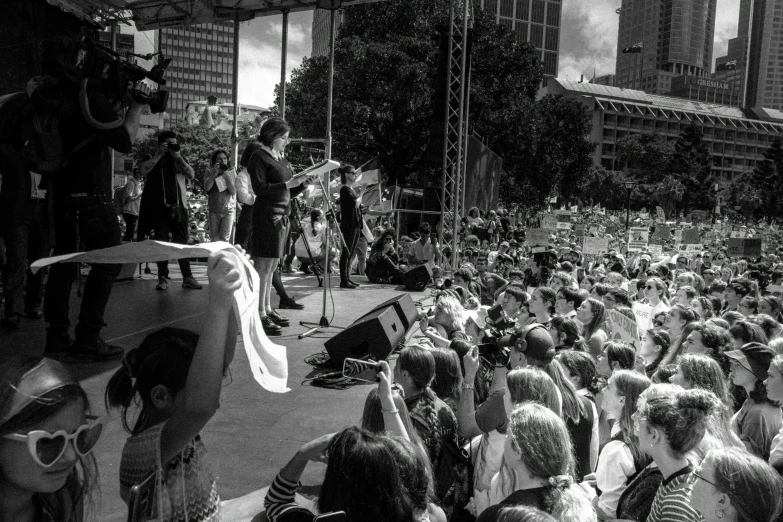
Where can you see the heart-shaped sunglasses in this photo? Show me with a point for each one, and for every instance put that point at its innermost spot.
(47, 448)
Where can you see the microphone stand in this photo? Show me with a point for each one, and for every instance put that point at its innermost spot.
(315, 328)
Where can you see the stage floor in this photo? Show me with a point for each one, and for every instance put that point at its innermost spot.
(255, 432)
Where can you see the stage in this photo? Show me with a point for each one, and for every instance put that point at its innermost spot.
(255, 432)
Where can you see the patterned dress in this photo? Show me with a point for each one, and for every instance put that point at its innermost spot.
(185, 488)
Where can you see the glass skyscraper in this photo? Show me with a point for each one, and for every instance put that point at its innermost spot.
(676, 38)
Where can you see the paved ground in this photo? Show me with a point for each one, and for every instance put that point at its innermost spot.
(255, 432)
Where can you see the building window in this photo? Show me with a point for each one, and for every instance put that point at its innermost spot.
(537, 36)
(539, 7)
(550, 63)
(521, 30)
(551, 39)
(507, 8)
(553, 14)
(523, 10)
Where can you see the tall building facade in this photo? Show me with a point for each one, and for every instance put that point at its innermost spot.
(322, 19)
(676, 38)
(760, 27)
(201, 66)
(534, 21)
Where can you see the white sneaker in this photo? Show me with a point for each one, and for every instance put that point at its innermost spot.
(163, 284)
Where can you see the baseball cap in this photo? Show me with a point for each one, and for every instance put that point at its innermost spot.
(504, 243)
(754, 357)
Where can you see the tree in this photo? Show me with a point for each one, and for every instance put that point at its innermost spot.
(691, 165)
(605, 187)
(766, 178)
(646, 158)
(746, 197)
(385, 62)
(198, 143)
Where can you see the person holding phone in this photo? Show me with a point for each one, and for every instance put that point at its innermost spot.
(220, 184)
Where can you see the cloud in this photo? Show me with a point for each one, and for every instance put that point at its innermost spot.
(588, 38)
(588, 35)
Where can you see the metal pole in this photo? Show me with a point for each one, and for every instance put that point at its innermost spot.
(747, 54)
(113, 48)
(465, 151)
(628, 211)
(235, 98)
(284, 54)
(445, 176)
(460, 130)
(328, 153)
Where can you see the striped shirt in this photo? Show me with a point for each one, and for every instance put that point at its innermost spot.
(280, 498)
(672, 501)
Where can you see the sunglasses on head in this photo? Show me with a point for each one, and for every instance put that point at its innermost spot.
(47, 448)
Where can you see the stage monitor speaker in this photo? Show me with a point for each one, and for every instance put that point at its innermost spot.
(376, 334)
(417, 278)
(404, 306)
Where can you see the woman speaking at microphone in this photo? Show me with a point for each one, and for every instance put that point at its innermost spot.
(274, 185)
(350, 222)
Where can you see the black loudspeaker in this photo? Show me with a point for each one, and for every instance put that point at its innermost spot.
(405, 308)
(417, 278)
(376, 334)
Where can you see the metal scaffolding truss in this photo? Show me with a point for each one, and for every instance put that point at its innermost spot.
(456, 125)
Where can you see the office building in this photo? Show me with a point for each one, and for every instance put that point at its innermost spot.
(708, 90)
(676, 38)
(322, 19)
(736, 138)
(760, 27)
(607, 79)
(202, 65)
(534, 21)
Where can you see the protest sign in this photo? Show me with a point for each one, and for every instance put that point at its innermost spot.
(549, 222)
(744, 247)
(661, 215)
(579, 230)
(638, 239)
(622, 328)
(593, 230)
(595, 245)
(537, 239)
(656, 250)
(561, 225)
(691, 249)
(691, 236)
(663, 232)
(643, 313)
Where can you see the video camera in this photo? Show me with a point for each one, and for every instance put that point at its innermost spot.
(108, 71)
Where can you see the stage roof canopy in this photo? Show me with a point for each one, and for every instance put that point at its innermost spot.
(153, 14)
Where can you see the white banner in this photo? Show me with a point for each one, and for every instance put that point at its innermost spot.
(595, 245)
(643, 313)
(267, 360)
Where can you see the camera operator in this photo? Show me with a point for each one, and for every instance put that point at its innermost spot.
(81, 123)
(220, 184)
(163, 204)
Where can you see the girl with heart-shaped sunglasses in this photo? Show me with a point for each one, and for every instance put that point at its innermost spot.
(46, 438)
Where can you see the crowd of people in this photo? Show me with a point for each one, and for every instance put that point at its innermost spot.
(519, 401)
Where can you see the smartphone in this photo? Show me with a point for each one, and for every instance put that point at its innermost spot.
(141, 501)
(337, 516)
(361, 369)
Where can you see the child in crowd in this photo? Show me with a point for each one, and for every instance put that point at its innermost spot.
(177, 376)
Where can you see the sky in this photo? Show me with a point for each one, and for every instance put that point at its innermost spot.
(588, 44)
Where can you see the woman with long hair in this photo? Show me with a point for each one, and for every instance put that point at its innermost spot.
(744, 332)
(47, 470)
(680, 321)
(759, 419)
(772, 306)
(542, 304)
(621, 457)
(447, 384)
(592, 314)
(703, 372)
(382, 260)
(616, 356)
(448, 322)
(274, 185)
(655, 294)
(654, 348)
(312, 255)
(703, 308)
(539, 462)
(531, 384)
(565, 334)
(434, 422)
(734, 486)
(669, 426)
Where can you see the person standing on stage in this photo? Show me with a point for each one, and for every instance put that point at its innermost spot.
(350, 222)
(274, 185)
(220, 182)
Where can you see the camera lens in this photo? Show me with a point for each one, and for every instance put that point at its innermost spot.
(174, 147)
(223, 167)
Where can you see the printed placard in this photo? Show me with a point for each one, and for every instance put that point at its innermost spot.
(595, 245)
(537, 239)
(622, 328)
(638, 238)
(643, 313)
(549, 222)
(747, 247)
